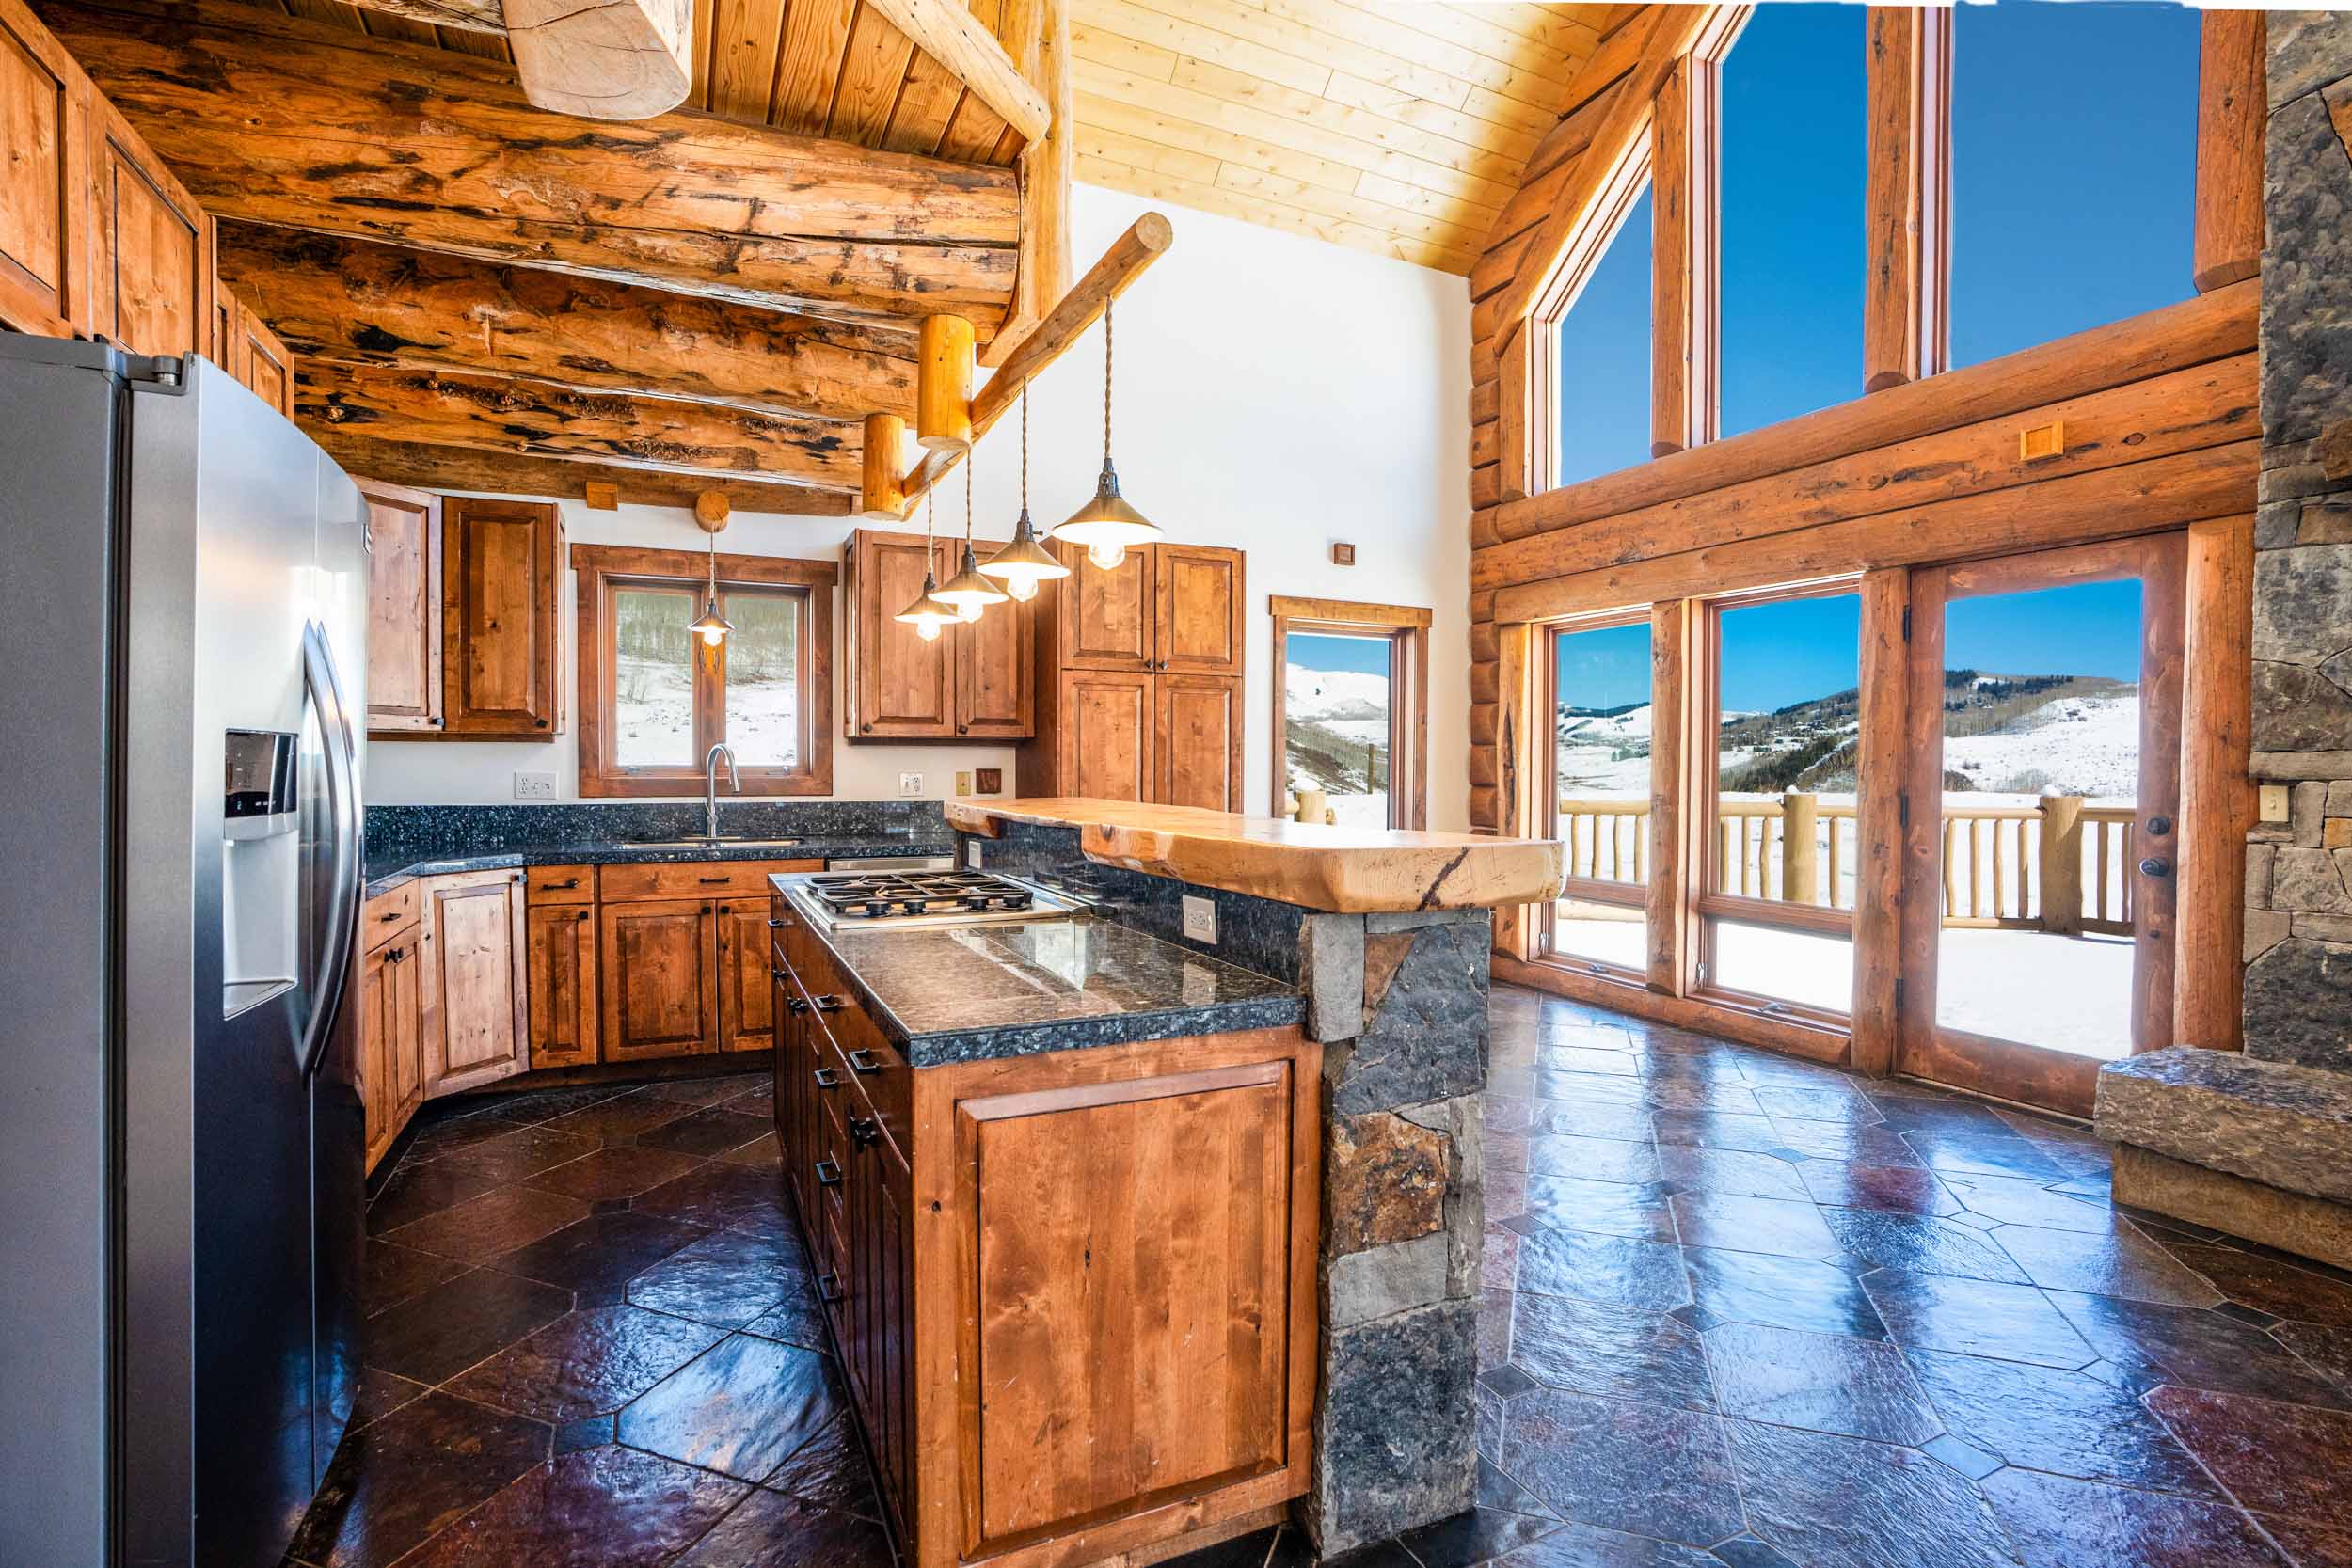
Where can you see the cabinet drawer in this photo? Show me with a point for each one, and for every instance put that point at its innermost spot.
(563, 884)
(387, 914)
(698, 879)
(877, 1070)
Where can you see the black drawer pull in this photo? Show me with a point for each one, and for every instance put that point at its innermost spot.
(713, 881)
(863, 1061)
(829, 1290)
(568, 881)
(829, 1003)
(775, 925)
(391, 914)
(865, 1132)
(582, 915)
(828, 1174)
(827, 1079)
(793, 1003)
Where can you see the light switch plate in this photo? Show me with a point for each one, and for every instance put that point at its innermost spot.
(1200, 920)
(910, 784)
(531, 786)
(963, 780)
(2276, 803)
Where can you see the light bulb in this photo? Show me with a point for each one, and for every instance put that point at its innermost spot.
(928, 629)
(1021, 588)
(1108, 557)
(969, 611)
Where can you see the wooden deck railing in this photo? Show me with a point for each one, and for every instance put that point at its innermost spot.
(2057, 864)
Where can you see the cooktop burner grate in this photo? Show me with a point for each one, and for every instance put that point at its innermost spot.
(898, 896)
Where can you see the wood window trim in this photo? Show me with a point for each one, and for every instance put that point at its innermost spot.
(1545, 698)
(602, 569)
(1407, 628)
(1620, 192)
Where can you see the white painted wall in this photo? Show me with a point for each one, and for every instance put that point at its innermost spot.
(1275, 393)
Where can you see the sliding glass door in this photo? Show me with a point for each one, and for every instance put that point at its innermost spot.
(1597, 700)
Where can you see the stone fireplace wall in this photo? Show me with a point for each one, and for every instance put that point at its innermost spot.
(2298, 884)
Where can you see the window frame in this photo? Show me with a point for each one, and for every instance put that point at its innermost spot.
(602, 571)
(1592, 890)
(1621, 193)
(1407, 629)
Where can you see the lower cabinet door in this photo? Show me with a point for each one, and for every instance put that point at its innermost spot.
(879, 1309)
(562, 984)
(471, 945)
(1198, 743)
(376, 1039)
(746, 987)
(1107, 734)
(658, 959)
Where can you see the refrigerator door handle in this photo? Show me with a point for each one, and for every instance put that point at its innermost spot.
(342, 792)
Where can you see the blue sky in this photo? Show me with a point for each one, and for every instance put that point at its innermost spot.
(1369, 654)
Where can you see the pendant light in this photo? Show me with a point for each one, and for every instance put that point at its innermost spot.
(711, 626)
(969, 592)
(1023, 563)
(1107, 525)
(926, 615)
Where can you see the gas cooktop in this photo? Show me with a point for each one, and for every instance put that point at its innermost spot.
(895, 898)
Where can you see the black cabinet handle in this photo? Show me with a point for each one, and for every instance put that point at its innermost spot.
(570, 882)
(713, 881)
(862, 1062)
(863, 1131)
(829, 1290)
(826, 1078)
(582, 916)
(793, 1003)
(828, 1174)
(829, 1003)
(389, 914)
(775, 925)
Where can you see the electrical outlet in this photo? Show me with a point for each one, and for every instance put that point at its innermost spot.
(1200, 920)
(972, 854)
(533, 787)
(910, 784)
(963, 780)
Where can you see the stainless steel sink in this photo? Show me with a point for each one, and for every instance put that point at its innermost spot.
(725, 841)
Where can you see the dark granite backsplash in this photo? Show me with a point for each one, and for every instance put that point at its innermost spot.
(1258, 934)
(400, 835)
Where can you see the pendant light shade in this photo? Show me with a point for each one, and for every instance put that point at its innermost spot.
(968, 591)
(926, 614)
(1023, 563)
(711, 626)
(1107, 526)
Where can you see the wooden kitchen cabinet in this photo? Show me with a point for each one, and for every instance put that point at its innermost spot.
(746, 1012)
(1198, 743)
(44, 180)
(1166, 607)
(975, 681)
(474, 988)
(391, 1043)
(152, 276)
(560, 984)
(660, 977)
(244, 345)
(405, 610)
(501, 623)
(1109, 736)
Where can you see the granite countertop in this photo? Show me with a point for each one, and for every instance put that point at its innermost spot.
(1341, 870)
(384, 878)
(966, 993)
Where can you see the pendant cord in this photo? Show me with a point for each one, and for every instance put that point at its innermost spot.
(1025, 451)
(1107, 383)
(930, 511)
(970, 461)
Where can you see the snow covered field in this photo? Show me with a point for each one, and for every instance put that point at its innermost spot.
(2071, 746)
(1346, 712)
(654, 718)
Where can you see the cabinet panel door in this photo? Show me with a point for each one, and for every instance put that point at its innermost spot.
(43, 186)
(500, 564)
(1178, 1382)
(1198, 742)
(561, 982)
(1105, 620)
(746, 1000)
(902, 687)
(879, 1309)
(471, 941)
(376, 1056)
(263, 364)
(1200, 619)
(405, 608)
(404, 1045)
(152, 292)
(659, 961)
(1107, 734)
(996, 680)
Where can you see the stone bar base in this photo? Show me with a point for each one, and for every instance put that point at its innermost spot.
(1400, 1003)
(2291, 1221)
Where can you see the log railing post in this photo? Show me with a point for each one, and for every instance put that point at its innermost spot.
(1799, 875)
(2062, 864)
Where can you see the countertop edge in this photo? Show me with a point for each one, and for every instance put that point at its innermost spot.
(383, 881)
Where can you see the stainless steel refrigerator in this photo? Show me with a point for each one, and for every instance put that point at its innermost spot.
(182, 641)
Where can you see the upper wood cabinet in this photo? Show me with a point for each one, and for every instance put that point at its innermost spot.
(44, 180)
(151, 257)
(500, 624)
(976, 681)
(405, 610)
(245, 346)
(471, 945)
(1171, 607)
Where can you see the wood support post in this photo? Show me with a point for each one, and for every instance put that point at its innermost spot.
(942, 384)
(1800, 861)
(1908, 196)
(2061, 864)
(1516, 473)
(1520, 779)
(879, 494)
(1664, 911)
(1046, 165)
(711, 509)
(2216, 795)
(2232, 112)
(1881, 765)
(1682, 258)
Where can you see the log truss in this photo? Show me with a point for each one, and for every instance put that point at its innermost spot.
(502, 260)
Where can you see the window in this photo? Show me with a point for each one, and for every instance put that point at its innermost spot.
(1779, 811)
(2073, 164)
(655, 697)
(1794, 144)
(1350, 708)
(1599, 791)
(1599, 375)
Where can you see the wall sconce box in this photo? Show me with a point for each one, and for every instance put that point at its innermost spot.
(1343, 554)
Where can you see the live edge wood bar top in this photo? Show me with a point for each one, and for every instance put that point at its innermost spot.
(1335, 869)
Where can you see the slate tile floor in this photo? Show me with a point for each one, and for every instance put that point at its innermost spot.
(1741, 1312)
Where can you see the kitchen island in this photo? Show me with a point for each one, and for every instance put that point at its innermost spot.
(1135, 1238)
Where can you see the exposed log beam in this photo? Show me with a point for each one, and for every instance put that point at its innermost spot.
(2231, 105)
(948, 32)
(538, 418)
(358, 303)
(298, 125)
(1146, 240)
(470, 16)
(602, 59)
(496, 473)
